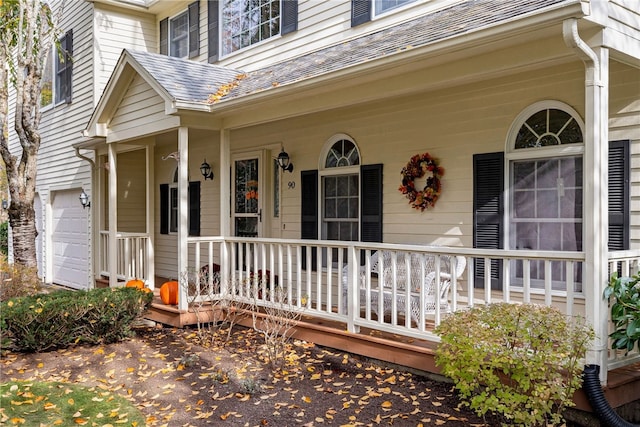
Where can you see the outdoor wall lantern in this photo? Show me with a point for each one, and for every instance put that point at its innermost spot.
(284, 161)
(205, 170)
(5, 204)
(84, 200)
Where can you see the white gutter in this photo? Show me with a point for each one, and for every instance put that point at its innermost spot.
(596, 220)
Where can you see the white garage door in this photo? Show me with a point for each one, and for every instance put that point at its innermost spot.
(70, 240)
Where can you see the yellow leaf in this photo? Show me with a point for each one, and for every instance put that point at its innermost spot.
(16, 420)
(391, 380)
(306, 399)
(387, 404)
(49, 405)
(80, 421)
(315, 376)
(40, 365)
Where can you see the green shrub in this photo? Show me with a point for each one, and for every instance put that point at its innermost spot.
(16, 280)
(61, 318)
(623, 294)
(4, 238)
(520, 361)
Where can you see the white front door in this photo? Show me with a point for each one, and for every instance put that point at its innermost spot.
(247, 195)
(69, 239)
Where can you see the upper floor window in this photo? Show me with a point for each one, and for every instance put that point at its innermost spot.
(236, 24)
(57, 73)
(363, 10)
(180, 35)
(246, 22)
(382, 6)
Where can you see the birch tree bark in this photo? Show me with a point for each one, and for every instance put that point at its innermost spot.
(27, 32)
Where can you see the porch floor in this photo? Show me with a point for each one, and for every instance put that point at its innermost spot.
(623, 385)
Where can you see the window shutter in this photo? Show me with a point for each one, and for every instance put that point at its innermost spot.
(360, 12)
(194, 208)
(164, 36)
(194, 29)
(488, 212)
(212, 30)
(164, 208)
(619, 195)
(289, 16)
(68, 66)
(309, 210)
(64, 67)
(371, 203)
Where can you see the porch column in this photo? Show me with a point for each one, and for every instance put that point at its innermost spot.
(113, 216)
(225, 205)
(150, 261)
(183, 211)
(596, 166)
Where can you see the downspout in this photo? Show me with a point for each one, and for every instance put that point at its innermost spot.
(596, 113)
(91, 216)
(85, 158)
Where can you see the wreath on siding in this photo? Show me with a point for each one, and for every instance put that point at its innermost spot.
(418, 167)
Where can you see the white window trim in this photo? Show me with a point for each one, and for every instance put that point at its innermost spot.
(377, 14)
(245, 48)
(169, 39)
(552, 152)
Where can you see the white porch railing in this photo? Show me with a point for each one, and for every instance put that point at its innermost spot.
(407, 294)
(133, 256)
(334, 280)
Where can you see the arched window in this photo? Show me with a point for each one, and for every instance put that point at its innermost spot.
(545, 164)
(340, 186)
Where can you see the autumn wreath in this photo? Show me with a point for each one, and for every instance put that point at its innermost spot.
(418, 167)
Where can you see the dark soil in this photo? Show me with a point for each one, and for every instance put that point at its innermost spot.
(177, 379)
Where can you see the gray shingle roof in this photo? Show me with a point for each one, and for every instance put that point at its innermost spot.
(196, 82)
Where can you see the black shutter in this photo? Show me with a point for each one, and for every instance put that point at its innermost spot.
(360, 12)
(164, 208)
(289, 16)
(69, 66)
(212, 30)
(194, 29)
(309, 210)
(64, 67)
(194, 208)
(488, 212)
(618, 195)
(371, 203)
(164, 36)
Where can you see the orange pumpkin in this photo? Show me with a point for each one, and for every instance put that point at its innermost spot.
(147, 290)
(135, 283)
(169, 293)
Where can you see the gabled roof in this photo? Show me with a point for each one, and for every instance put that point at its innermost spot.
(185, 84)
(184, 80)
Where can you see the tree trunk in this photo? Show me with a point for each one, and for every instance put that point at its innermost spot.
(22, 218)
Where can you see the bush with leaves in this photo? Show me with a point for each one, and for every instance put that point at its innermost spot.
(17, 280)
(4, 238)
(623, 294)
(62, 318)
(521, 361)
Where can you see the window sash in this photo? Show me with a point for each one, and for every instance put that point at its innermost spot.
(179, 35)
(246, 22)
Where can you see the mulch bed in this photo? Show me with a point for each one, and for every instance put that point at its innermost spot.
(177, 379)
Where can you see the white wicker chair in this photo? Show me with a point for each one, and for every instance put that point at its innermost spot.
(419, 266)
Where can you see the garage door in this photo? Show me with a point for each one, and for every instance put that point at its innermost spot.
(70, 240)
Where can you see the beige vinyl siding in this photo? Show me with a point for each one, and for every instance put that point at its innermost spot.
(132, 191)
(202, 144)
(140, 106)
(624, 124)
(115, 30)
(452, 125)
(320, 24)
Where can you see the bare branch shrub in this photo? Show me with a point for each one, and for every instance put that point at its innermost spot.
(16, 280)
(275, 323)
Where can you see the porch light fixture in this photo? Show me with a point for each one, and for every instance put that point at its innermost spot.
(205, 170)
(5, 204)
(84, 200)
(284, 161)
